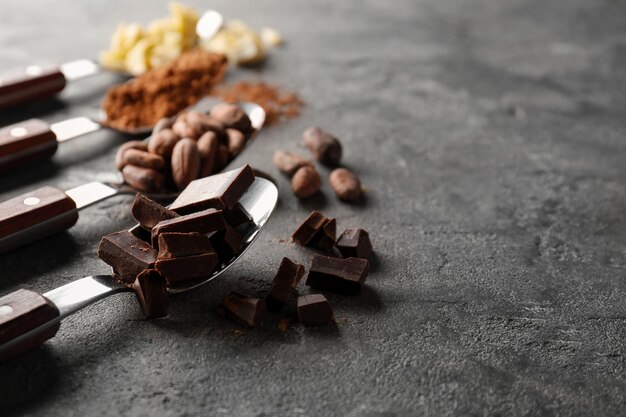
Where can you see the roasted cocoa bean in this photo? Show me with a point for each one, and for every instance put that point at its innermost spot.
(143, 159)
(164, 123)
(345, 184)
(288, 163)
(133, 144)
(185, 162)
(143, 179)
(207, 147)
(305, 182)
(232, 116)
(221, 158)
(163, 143)
(324, 147)
(236, 142)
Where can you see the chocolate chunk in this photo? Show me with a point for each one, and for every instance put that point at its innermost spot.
(354, 243)
(325, 237)
(127, 254)
(152, 293)
(285, 281)
(187, 268)
(315, 310)
(309, 228)
(202, 222)
(226, 242)
(344, 276)
(237, 216)
(142, 234)
(217, 191)
(148, 213)
(248, 311)
(176, 245)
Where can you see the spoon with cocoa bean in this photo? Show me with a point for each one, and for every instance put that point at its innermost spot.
(49, 210)
(28, 318)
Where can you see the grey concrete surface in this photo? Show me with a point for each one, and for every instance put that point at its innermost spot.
(491, 137)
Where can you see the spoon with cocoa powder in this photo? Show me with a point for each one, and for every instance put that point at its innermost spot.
(48, 210)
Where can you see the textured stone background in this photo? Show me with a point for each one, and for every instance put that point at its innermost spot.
(491, 137)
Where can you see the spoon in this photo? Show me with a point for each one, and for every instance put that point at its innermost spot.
(28, 318)
(42, 81)
(48, 210)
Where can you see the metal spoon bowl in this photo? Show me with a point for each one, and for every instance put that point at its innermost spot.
(259, 201)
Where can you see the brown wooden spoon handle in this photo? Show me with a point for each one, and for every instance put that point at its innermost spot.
(24, 142)
(35, 215)
(31, 83)
(27, 319)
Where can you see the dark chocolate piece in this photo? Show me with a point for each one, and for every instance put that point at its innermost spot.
(286, 279)
(237, 216)
(127, 254)
(175, 245)
(248, 311)
(148, 213)
(226, 242)
(354, 243)
(309, 228)
(142, 234)
(152, 293)
(217, 191)
(187, 268)
(315, 310)
(344, 276)
(325, 237)
(202, 222)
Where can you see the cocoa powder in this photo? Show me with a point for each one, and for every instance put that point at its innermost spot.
(278, 104)
(164, 91)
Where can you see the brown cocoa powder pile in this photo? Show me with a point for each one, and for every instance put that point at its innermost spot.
(164, 91)
(278, 104)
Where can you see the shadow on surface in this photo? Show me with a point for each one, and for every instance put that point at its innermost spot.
(28, 380)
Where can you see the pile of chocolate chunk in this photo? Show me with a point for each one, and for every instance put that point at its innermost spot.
(172, 247)
(343, 273)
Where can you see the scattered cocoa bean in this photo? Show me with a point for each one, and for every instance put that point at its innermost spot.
(185, 162)
(345, 184)
(164, 123)
(236, 142)
(143, 159)
(305, 182)
(207, 147)
(133, 144)
(143, 179)
(163, 142)
(324, 147)
(232, 116)
(288, 163)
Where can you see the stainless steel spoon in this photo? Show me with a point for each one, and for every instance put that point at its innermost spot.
(28, 318)
(41, 81)
(48, 210)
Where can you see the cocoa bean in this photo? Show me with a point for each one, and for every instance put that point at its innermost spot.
(133, 144)
(207, 147)
(163, 143)
(221, 158)
(345, 184)
(288, 163)
(236, 142)
(143, 179)
(305, 182)
(143, 159)
(185, 162)
(324, 147)
(163, 123)
(232, 116)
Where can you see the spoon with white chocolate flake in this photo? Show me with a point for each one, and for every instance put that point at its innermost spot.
(49, 210)
(28, 318)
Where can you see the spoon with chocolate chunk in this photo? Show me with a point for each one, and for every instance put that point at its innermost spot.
(171, 250)
(48, 210)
